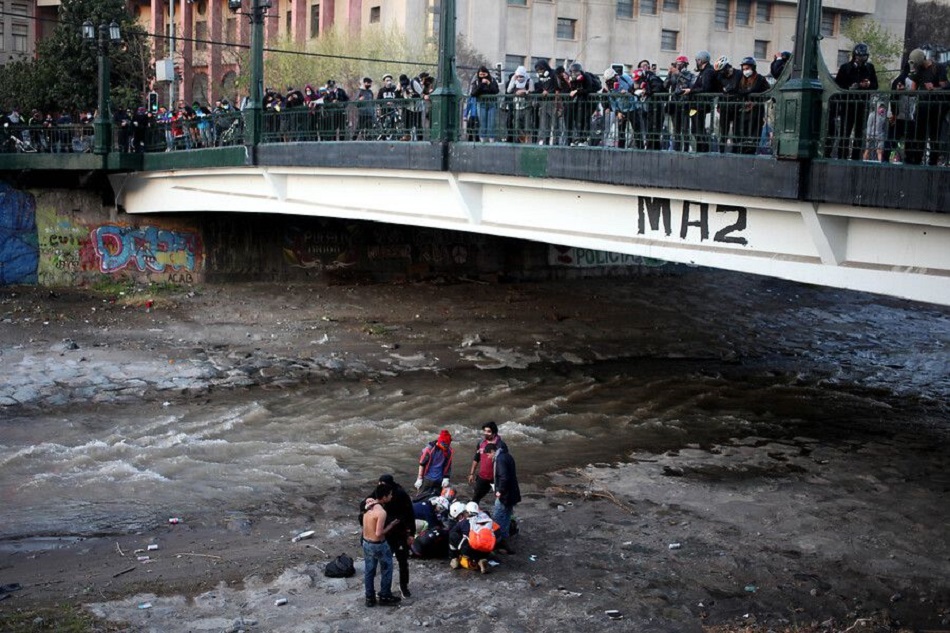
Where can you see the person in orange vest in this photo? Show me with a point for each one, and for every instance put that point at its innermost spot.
(435, 467)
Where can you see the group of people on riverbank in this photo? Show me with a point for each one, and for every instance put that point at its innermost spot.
(435, 523)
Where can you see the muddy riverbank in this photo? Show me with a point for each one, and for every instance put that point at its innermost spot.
(803, 518)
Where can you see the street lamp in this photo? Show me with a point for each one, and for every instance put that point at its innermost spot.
(253, 111)
(108, 35)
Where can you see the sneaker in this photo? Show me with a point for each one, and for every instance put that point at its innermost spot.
(454, 563)
(371, 602)
(388, 601)
(405, 592)
(483, 566)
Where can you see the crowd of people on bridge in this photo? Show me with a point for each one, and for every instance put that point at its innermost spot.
(703, 104)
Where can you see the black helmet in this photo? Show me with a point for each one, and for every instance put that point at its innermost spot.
(748, 61)
(861, 50)
(576, 68)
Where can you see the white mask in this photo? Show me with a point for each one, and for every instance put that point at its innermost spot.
(747, 72)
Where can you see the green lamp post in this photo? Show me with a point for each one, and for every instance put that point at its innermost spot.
(253, 111)
(799, 105)
(445, 98)
(108, 35)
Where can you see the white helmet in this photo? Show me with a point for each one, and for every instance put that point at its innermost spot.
(472, 508)
(441, 504)
(456, 509)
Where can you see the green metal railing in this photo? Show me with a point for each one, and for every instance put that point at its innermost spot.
(376, 120)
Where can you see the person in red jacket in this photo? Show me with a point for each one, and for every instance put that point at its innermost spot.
(435, 467)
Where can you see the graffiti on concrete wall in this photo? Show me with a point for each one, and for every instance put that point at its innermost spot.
(589, 258)
(326, 247)
(66, 254)
(18, 246)
(146, 249)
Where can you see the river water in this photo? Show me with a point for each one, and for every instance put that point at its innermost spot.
(873, 369)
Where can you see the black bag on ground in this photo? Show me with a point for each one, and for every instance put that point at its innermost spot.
(340, 567)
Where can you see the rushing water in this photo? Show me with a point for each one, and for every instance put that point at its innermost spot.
(115, 469)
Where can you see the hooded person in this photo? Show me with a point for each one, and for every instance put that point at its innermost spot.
(435, 466)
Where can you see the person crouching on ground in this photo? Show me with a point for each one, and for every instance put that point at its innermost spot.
(435, 467)
(376, 551)
(472, 539)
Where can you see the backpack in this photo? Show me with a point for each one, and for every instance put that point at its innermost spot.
(340, 567)
(595, 85)
(481, 536)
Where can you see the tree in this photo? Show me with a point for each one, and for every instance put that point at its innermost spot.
(928, 23)
(886, 48)
(64, 76)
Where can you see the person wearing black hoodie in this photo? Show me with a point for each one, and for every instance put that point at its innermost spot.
(400, 537)
(546, 87)
(484, 88)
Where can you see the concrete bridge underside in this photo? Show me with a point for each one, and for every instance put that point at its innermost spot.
(895, 252)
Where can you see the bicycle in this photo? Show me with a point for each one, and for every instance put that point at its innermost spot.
(20, 144)
(387, 125)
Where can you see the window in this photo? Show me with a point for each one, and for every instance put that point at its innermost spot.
(566, 29)
(19, 8)
(518, 3)
(827, 24)
(289, 22)
(624, 8)
(669, 40)
(230, 30)
(743, 12)
(722, 14)
(314, 20)
(19, 32)
(201, 36)
(2, 41)
(671, 5)
(374, 15)
(763, 11)
(647, 7)
(843, 58)
(512, 62)
(760, 49)
(433, 19)
(844, 19)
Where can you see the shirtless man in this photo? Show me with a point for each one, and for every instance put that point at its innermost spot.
(376, 550)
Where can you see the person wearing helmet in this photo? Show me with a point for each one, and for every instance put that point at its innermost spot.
(704, 84)
(752, 110)
(848, 112)
(727, 83)
(779, 61)
(677, 85)
(925, 75)
(472, 539)
(431, 512)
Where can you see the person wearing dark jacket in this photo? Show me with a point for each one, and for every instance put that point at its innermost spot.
(485, 90)
(400, 537)
(546, 87)
(727, 83)
(703, 84)
(752, 110)
(507, 495)
(583, 102)
(851, 111)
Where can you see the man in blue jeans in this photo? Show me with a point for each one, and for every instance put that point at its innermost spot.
(507, 494)
(376, 551)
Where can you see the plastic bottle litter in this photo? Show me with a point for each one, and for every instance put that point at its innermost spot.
(152, 547)
(145, 605)
(613, 614)
(751, 588)
(280, 602)
(675, 545)
(143, 559)
(302, 536)
(174, 521)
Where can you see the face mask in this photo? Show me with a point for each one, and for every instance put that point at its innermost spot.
(747, 72)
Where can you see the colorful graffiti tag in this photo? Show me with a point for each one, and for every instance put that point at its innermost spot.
(19, 251)
(146, 249)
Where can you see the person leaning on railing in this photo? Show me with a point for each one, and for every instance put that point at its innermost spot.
(519, 87)
(546, 87)
(850, 111)
(929, 80)
(678, 81)
(700, 103)
(485, 90)
(727, 86)
(751, 115)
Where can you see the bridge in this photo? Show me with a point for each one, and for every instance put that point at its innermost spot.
(797, 204)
